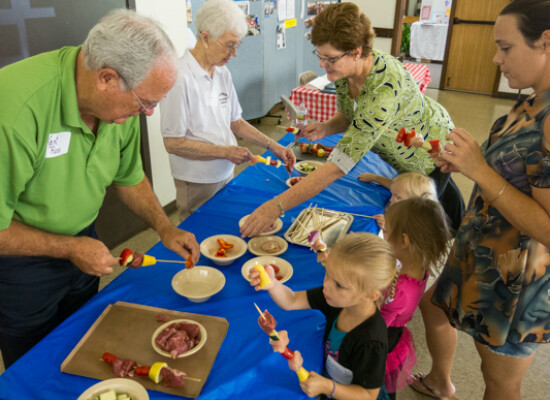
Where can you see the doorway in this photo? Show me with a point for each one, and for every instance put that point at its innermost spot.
(468, 64)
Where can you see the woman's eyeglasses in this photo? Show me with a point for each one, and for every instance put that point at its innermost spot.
(230, 49)
(329, 60)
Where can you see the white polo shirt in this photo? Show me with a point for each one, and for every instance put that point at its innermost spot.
(200, 107)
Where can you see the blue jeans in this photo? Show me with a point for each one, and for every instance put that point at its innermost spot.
(36, 295)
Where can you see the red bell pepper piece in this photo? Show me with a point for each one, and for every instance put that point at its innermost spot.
(401, 135)
(126, 257)
(408, 137)
(436, 146)
(224, 244)
(288, 354)
(109, 358)
(142, 370)
(220, 253)
(189, 262)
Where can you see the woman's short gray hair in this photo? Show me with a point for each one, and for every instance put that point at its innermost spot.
(219, 16)
(129, 43)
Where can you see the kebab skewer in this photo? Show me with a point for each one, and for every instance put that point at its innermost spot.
(268, 323)
(133, 259)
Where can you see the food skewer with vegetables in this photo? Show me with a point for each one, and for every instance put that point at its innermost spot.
(267, 161)
(268, 323)
(158, 372)
(133, 259)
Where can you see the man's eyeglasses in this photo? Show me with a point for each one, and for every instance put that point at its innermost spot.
(142, 107)
(329, 60)
(230, 49)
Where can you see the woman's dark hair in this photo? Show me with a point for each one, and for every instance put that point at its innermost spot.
(343, 26)
(533, 17)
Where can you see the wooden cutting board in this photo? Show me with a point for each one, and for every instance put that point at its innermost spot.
(126, 329)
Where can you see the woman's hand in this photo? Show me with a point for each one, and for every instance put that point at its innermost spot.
(286, 154)
(313, 131)
(237, 154)
(463, 154)
(261, 220)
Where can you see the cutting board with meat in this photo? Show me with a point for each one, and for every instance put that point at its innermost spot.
(126, 330)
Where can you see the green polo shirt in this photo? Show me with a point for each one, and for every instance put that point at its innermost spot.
(54, 171)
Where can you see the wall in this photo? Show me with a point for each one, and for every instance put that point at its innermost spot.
(172, 15)
(381, 14)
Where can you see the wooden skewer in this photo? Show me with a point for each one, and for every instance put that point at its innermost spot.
(191, 379)
(361, 215)
(172, 261)
(260, 311)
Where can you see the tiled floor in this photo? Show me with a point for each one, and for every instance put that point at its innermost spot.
(476, 114)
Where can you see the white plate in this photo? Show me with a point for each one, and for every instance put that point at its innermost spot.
(202, 334)
(277, 226)
(198, 284)
(210, 246)
(300, 165)
(289, 179)
(285, 269)
(119, 385)
(257, 244)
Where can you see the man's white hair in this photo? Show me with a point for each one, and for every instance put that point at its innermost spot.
(129, 43)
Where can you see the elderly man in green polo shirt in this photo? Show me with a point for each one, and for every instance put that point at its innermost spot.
(69, 128)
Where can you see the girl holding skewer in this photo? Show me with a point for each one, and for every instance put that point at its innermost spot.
(359, 269)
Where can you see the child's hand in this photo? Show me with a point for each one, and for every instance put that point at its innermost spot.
(381, 221)
(322, 256)
(316, 384)
(254, 276)
(279, 346)
(295, 363)
(366, 177)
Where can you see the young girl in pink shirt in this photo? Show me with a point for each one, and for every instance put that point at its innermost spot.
(418, 231)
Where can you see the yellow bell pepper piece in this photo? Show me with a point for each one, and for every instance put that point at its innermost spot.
(264, 277)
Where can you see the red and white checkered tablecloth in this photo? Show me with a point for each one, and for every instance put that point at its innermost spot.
(322, 106)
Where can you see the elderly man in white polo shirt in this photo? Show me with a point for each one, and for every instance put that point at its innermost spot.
(201, 115)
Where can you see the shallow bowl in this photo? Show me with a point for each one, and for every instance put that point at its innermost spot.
(277, 226)
(120, 385)
(198, 284)
(285, 269)
(267, 245)
(210, 246)
(202, 335)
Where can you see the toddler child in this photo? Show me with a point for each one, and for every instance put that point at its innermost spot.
(403, 186)
(417, 229)
(359, 269)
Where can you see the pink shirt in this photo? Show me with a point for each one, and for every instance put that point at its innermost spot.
(408, 292)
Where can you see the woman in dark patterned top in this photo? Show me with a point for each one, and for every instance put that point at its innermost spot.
(377, 97)
(496, 283)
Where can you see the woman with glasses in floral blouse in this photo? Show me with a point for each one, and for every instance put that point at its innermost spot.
(376, 97)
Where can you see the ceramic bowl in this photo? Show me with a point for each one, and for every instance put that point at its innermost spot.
(285, 269)
(210, 246)
(200, 345)
(133, 389)
(198, 284)
(277, 226)
(267, 245)
(290, 180)
(303, 167)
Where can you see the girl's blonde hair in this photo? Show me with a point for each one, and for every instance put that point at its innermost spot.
(427, 226)
(418, 185)
(365, 262)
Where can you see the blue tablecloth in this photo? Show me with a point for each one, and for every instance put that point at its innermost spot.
(245, 366)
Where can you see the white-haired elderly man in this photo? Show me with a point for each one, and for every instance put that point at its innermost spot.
(201, 115)
(69, 128)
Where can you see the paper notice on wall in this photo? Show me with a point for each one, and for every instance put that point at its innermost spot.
(286, 9)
